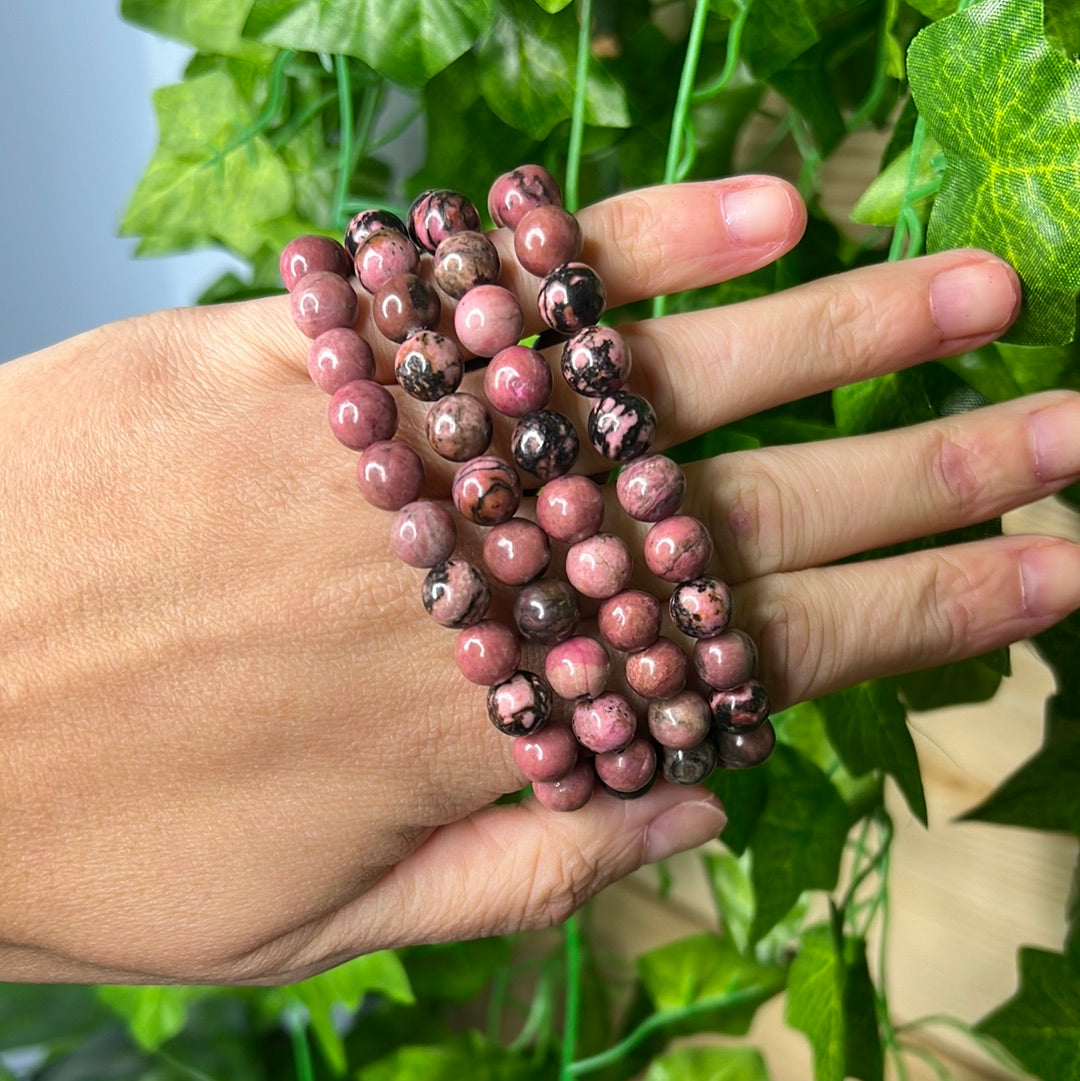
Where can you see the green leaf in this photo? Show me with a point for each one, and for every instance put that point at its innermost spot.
(709, 1064)
(733, 892)
(975, 680)
(553, 6)
(1059, 647)
(862, 1041)
(743, 793)
(212, 26)
(154, 1015)
(880, 203)
(1036, 368)
(470, 1057)
(454, 971)
(1040, 1024)
(895, 400)
(1061, 20)
(1004, 105)
(46, 1016)
(1072, 938)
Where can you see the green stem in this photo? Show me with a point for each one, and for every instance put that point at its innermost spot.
(877, 86)
(731, 57)
(538, 1016)
(908, 227)
(181, 1067)
(295, 1023)
(577, 116)
(300, 121)
(274, 98)
(345, 147)
(369, 106)
(945, 1021)
(930, 1059)
(572, 936)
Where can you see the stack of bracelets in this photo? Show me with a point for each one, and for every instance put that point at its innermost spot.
(687, 731)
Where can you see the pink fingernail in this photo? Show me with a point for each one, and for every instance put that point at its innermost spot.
(1056, 433)
(974, 300)
(682, 827)
(1050, 579)
(758, 215)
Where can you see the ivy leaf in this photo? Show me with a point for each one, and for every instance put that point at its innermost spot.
(1061, 19)
(212, 26)
(895, 400)
(470, 1056)
(880, 203)
(743, 793)
(454, 971)
(973, 680)
(154, 1015)
(1059, 647)
(1036, 368)
(709, 1064)
(1013, 168)
(553, 6)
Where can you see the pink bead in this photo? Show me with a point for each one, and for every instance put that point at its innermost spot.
(339, 356)
(570, 793)
(657, 671)
(570, 508)
(321, 301)
(577, 668)
(629, 770)
(455, 593)
(743, 750)
(516, 551)
(390, 474)
(650, 489)
(423, 533)
(630, 620)
(383, 255)
(681, 721)
(545, 238)
(487, 653)
(367, 222)
(487, 319)
(515, 193)
(463, 261)
(677, 548)
(517, 381)
(404, 305)
(599, 566)
(458, 427)
(486, 490)
(427, 365)
(438, 213)
(362, 413)
(308, 254)
(604, 723)
(520, 704)
(701, 607)
(548, 755)
(725, 660)
(595, 361)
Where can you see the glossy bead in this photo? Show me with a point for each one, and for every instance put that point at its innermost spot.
(487, 319)
(599, 566)
(321, 301)
(627, 771)
(604, 723)
(680, 721)
(362, 413)
(740, 708)
(455, 593)
(436, 214)
(458, 427)
(367, 222)
(678, 548)
(544, 443)
(423, 533)
(463, 261)
(516, 551)
(515, 193)
(339, 356)
(547, 755)
(569, 793)
(570, 508)
(743, 750)
(726, 659)
(701, 607)
(621, 426)
(651, 489)
(517, 381)
(384, 255)
(577, 668)
(657, 671)
(390, 474)
(486, 490)
(595, 361)
(630, 620)
(487, 653)
(545, 238)
(546, 611)
(428, 366)
(520, 704)
(571, 297)
(404, 305)
(688, 765)
(308, 254)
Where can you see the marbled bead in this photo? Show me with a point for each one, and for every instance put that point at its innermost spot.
(701, 607)
(630, 620)
(321, 301)
(390, 474)
(423, 533)
(361, 413)
(681, 721)
(459, 427)
(650, 489)
(456, 594)
(404, 305)
(599, 566)
(463, 261)
(577, 668)
(688, 765)
(595, 361)
(428, 366)
(516, 551)
(604, 723)
(487, 319)
(367, 222)
(515, 193)
(678, 548)
(571, 297)
(384, 255)
(569, 793)
(743, 750)
(740, 708)
(308, 254)
(628, 771)
(520, 704)
(725, 659)
(657, 671)
(487, 652)
(546, 611)
(486, 490)
(547, 755)
(547, 237)
(545, 443)
(621, 426)
(517, 381)
(338, 356)
(437, 213)
(570, 508)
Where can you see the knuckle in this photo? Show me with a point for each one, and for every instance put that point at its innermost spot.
(792, 633)
(847, 328)
(949, 608)
(553, 885)
(757, 519)
(955, 465)
(639, 264)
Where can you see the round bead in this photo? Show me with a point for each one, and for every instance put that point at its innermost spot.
(569, 793)
(571, 297)
(595, 361)
(361, 413)
(423, 533)
(517, 192)
(459, 427)
(338, 356)
(487, 319)
(726, 659)
(486, 490)
(688, 765)
(701, 608)
(742, 750)
(548, 755)
(544, 443)
(517, 381)
(630, 620)
(577, 668)
(321, 301)
(520, 704)
(384, 255)
(682, 721)
(545, 238)
(367, 222)
(436, 214)
(428, 365)
(516, 552)
(627, 771)
(621, 426)
(677, 548)
(308, 254)
(403, 305)
(546, 611)
(463, 261)
(657, 671)
(487, 653)
(455, 593)
(599, 566)
(740, 708)
(651, 489)
(570, 508)
(390, 474)
(604, 723)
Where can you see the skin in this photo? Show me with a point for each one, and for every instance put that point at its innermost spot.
(220, 761)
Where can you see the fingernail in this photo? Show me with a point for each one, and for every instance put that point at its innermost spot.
(974, 299)
(684, 826)
(1056, 434)
(1050, 579)
(757, 215)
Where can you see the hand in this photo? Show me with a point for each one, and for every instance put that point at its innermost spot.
(235, 747)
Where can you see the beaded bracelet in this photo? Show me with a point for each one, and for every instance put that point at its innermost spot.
(721, 718)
